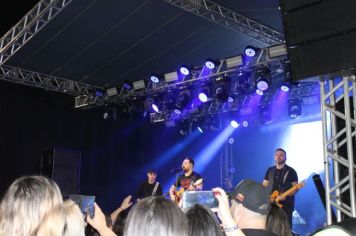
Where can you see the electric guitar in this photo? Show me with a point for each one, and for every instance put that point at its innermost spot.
(276, 196)
(179, 193)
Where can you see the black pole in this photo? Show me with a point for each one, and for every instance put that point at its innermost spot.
(321, 190)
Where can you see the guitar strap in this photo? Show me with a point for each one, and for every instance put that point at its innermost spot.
(155, 188)
(284, 173)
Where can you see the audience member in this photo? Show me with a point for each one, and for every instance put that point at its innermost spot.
(202, 222)
(25, 204)
(119, 223)
(277, 221)
(156, 216)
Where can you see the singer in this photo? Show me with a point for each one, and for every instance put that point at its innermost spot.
(188, 181)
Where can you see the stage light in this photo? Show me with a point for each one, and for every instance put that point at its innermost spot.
(245, 123)
(259, 92)
(285, 87)
(263, 79)
(184, 70)
(250, 51)
(221, 93)
(210, 63)
(244, 82)
(155, 107)
(155, 78)
(178, 112)
(127, 85)
(200, 129)
(234, 124)
(230, 99)
(111, 91)
(295, 108)
(99, 92)
(203, 97)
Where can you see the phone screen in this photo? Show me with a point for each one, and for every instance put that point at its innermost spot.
(205, 198)
(85, 203)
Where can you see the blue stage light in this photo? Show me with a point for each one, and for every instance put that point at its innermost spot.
(155, 107)
(250, 51)
(184, 70)
(203, 97)
(210, 63)
(234, 124)
(155, 78)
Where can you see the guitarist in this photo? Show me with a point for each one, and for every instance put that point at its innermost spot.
(186, 180)
(282, 177)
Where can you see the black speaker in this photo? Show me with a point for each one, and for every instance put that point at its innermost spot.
(63, 166)
(342, 150)
(320, 36)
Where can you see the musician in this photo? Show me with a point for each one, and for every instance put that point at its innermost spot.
(282, 177)
(150, 187)
(187, 180)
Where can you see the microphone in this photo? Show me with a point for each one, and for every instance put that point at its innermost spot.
(177, 170)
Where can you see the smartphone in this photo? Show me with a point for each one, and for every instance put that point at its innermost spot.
(85, 203)
(205, 198)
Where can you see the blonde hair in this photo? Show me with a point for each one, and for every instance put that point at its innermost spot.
(64, 220)
(25, 204)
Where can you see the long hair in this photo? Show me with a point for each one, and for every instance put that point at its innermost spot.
(156, 216)
(202, 222)
(26, 202)
(277, 222)
(63, 220)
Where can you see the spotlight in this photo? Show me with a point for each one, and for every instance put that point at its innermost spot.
(155, 107)
(184, 70)
(230, 99)
(259, 92)
(234, 124)
(210, 63)
(200, 129)
(263, 79)
(250, 51)
(203, 97)
(285, 87)
(127, 85)
(295, 108)
(245, 123)
(99, 93)
(155, 78)
(244, 82)
(178, 112)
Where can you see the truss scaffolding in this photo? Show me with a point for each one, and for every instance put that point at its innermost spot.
(338, 118)
(46, 82)
(229, 19)
(28, 26)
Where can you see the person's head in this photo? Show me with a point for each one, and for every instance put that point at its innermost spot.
(156, 216)
(25, 204)
(277, 221)
(280, 156)
(151, 176)
(202, 222)
(119, 223)
(188, 164)
(250, 202)
(64, 220)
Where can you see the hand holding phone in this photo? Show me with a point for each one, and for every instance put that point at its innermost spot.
(85, 203)
(205, 198)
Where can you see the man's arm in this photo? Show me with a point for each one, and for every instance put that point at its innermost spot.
(265, 183)
(172, 191)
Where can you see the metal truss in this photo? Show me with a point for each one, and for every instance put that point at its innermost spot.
(47, 82)
(338, 145)
(230, 19)
(28, 26)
